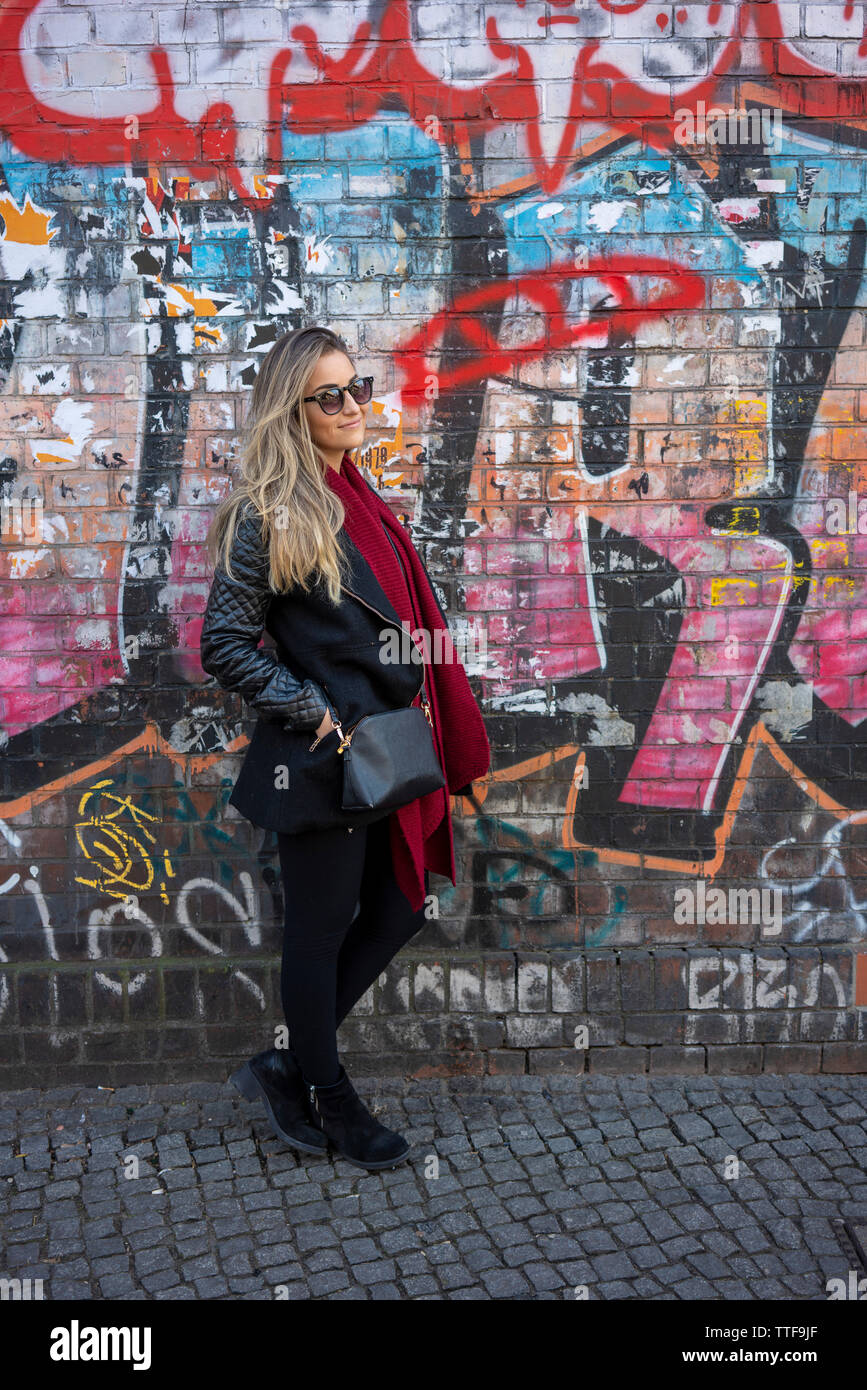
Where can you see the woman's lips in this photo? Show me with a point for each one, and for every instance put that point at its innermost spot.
(350, 424)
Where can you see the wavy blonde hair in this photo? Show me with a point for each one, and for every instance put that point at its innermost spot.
(283, 475)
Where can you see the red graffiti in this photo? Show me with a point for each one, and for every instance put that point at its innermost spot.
(379, 70)
(542, 288)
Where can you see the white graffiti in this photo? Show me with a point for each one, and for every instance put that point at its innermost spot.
(737, 989)
(187, 913)
(800, 921)
(729, 982)
(247, 913)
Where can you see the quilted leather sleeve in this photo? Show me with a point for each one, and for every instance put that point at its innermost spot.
(232, 630)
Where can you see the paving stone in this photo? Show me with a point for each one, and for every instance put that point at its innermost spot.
(691, 1127)
(617, 1266)
(506, 1283)
(614, 1185)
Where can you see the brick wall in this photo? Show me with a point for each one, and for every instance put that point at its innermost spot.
(607, 270)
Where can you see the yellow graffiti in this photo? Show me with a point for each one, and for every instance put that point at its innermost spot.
(744, 522)
(750, 412)
(207, 335)
(380, 452)
(42, 457)
(835, 550)
(718, 588)
(119, 850)
(748, 477)
(848, 584)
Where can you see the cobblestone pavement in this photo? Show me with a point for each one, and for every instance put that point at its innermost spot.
(545, 1183)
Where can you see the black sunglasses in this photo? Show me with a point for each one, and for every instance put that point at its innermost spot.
(331, 399)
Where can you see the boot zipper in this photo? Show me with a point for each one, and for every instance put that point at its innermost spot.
(314, 1104)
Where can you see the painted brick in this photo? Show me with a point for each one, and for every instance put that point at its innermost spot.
(534, 1032)
(465, 987)
(567, 985)
(499, 985)
(429, 987)
(618, 1060)
(533, 986)
(639, 522)
(602, 991)
(734, 1059)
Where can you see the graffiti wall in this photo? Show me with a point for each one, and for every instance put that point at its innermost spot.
(605, 260)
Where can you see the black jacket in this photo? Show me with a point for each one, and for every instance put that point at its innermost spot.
(327, 656)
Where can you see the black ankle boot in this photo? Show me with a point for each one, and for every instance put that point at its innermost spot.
(274, 1077)
(355, 1134)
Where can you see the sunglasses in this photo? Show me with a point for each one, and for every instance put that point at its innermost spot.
(331, 399)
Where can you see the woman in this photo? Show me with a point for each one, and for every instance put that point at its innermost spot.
(306, 548)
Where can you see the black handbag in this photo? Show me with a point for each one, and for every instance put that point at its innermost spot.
(389, 758)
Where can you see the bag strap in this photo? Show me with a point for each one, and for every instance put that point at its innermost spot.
(422, 692)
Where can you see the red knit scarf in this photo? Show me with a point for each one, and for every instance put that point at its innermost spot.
(421, 832)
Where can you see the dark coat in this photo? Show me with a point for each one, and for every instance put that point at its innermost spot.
(326, 656)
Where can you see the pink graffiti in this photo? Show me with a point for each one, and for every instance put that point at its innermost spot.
(830, 646)
(735, 594)
(731, 620)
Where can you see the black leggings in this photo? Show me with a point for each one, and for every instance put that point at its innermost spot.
(330, 957)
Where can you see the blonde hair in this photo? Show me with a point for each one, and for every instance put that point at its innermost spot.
(283, 475)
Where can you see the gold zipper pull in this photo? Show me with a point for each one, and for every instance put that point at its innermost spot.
(344, 741)
(335, 725)
(345, 738)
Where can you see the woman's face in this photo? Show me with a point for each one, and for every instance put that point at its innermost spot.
(334, 434)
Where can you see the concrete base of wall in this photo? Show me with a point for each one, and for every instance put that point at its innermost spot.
(617, 1011)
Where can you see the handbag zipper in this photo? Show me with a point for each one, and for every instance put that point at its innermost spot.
(347, 737)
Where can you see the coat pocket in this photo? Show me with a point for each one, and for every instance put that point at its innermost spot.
(283, 786)
(358, 679)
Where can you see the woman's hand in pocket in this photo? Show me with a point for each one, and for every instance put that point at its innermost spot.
(326, 726)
